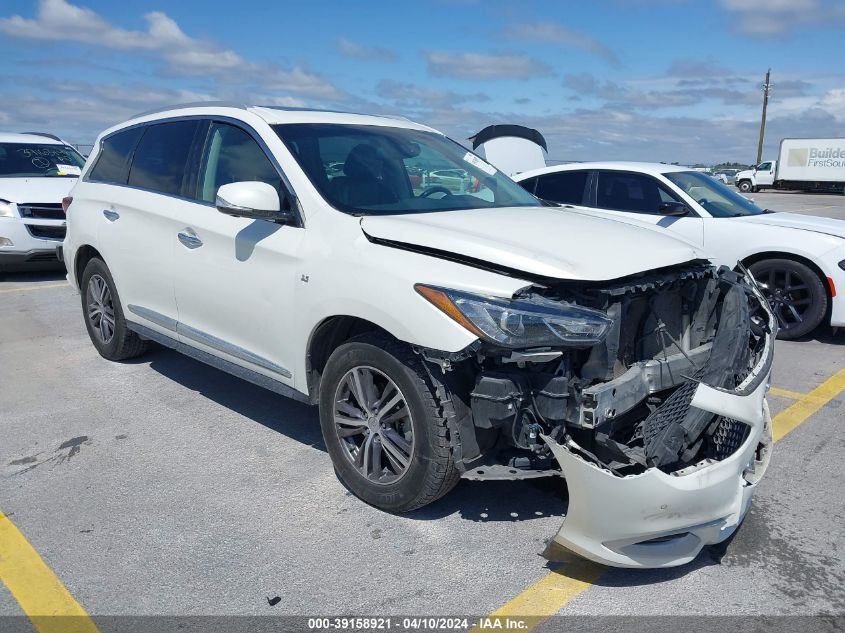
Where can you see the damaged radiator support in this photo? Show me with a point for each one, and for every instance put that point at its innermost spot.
(625, 404)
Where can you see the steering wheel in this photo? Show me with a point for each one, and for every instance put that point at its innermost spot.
(435, 189)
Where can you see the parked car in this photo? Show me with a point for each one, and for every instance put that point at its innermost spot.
(442, 336)
(798, 260)
(727, 176)
(36, 172)
(455, 180)
(718, 176)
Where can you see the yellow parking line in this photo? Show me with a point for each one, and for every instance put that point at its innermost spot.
(807, 405)
(41, 595)
(786, 393)
(551, 593)
(41, 287)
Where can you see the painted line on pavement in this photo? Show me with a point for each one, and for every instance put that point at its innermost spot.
(28, 288)
(39, 592)
(574, 575)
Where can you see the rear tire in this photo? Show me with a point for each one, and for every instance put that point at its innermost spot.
(796, 294)
(104, 315)
(416, 423)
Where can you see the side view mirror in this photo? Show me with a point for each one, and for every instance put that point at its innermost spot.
(677, 209)
(254, 200)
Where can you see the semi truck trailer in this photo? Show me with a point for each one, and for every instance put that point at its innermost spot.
(805, 164)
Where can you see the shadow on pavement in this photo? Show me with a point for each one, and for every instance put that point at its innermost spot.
(283, 415)
(33, 276)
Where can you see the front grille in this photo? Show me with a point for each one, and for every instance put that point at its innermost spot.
(42, 211)
(46, 232)
(727, 438)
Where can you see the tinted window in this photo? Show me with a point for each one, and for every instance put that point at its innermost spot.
(113, 162)
(630, 192)
(565, 186)
(764, 167)
(161, 158)
(528, 184)
(232, 155)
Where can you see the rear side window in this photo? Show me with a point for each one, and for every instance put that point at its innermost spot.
(528, 184)
(161, 158)
(630, 192)
(232, 155)
(566, 187)
(112, 164)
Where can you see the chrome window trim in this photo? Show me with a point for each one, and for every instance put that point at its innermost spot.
(210, 118)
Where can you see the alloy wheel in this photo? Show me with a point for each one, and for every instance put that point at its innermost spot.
(373, 423)
(100, 308)
(788, 294)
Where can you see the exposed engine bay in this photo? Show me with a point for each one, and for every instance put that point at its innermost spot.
(624, 403)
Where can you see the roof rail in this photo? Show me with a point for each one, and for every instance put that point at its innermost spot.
(193, 104)
(47, 134)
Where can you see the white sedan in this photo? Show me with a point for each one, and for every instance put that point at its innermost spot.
(798, 260)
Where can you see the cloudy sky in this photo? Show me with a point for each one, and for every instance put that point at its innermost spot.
(669, 80)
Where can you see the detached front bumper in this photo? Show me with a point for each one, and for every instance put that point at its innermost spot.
(659, 519)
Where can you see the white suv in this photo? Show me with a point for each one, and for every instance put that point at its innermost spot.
(36, 172)
(481, 334)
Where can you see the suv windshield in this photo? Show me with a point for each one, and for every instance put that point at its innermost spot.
(376, 170)
(22, 160)
(717, 199)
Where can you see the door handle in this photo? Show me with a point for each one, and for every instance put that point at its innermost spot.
(189, 239)
(110, 215)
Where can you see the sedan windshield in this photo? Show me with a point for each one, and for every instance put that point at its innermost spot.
(26, 160)
(718, 200)
(376, 170)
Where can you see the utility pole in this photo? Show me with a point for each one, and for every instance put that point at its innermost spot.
(766, 88)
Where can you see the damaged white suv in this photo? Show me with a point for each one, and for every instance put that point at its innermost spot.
(477, 334)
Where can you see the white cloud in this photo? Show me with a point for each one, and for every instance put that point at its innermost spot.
(59, 20)
(770, 18)
(485, 66)
(405, 95)
(354, 50)
(557, 34)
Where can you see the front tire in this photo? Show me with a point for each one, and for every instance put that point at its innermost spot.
(104, 315)
(796, 294)
(745, 186)
(384, 426)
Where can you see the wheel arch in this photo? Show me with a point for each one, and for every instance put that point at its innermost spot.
(327, 336)
(84, 254)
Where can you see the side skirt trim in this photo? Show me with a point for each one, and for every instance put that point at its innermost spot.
(230, 368)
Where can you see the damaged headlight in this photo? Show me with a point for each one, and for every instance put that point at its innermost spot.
(520, 323)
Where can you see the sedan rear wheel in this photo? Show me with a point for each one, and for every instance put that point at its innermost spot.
(795, 293)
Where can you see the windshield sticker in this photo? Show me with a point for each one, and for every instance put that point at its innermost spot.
(475, 161)
(68, 170)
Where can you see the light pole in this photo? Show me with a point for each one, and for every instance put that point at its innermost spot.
(766, 88)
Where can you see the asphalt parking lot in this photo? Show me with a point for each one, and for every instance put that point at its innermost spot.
(162, 486)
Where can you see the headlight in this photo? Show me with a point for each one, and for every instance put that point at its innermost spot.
(6, 209)
(534, 322)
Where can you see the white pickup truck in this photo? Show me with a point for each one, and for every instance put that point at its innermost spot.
(806, 164)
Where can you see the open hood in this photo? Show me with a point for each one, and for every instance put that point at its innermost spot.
(828, 226)
(51, 189)
(542, 241)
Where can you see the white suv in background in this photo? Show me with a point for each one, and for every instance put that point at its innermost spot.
(36, 172)
(482, 333)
